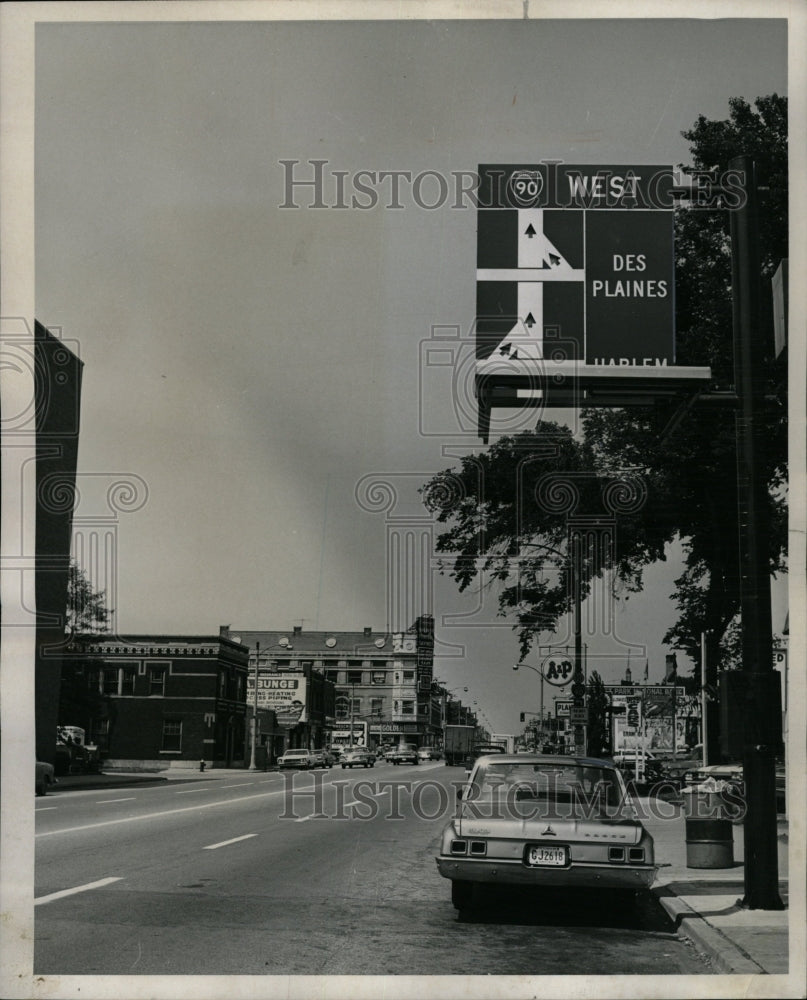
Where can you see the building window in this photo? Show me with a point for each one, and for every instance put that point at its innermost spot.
(407, 708)
(409, 676)
(127, 680)
(157, 680)
(332, 675)
(110, 680)
(172, 734)
(222, 685)
(354, 676)
(379, 677)
(376, 706)
(357, 706)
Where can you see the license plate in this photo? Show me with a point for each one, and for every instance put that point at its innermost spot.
(546, 857)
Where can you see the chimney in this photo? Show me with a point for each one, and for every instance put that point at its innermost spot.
(224, 631)
(298, 629)
(368, 631)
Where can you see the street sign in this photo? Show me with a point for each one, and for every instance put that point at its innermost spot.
(575, 270)
(578, 715)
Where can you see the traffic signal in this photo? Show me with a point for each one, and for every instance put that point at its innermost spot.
(523, 716)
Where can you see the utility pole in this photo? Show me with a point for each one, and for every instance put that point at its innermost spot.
(761, 716)
(253, 766)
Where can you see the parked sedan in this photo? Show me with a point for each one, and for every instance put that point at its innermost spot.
(357, 757)
(545, 821)
(44, 777)
(297, 758)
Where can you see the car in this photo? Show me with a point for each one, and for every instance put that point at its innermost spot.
(404, 753)
(323, 757)
(357, 757)
(545, 822)
(429, 753)
(44, 777)
(297, 758)
(721, 774)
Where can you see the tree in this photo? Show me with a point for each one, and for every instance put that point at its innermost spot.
(496, 524)
(86, 608)
(80, 700)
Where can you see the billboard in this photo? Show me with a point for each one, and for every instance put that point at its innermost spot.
(284, 694)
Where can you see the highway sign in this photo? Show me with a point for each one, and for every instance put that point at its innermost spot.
(575, 269)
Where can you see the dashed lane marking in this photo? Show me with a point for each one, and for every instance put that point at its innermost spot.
(79, 888)
(106, 802)
(226, 843)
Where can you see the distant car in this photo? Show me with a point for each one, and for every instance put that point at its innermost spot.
(404, 753)
(731, 774)
(429, 753)
(357, 757)
(323, 757)
(297, 758)
(44, 777)
(545, 821)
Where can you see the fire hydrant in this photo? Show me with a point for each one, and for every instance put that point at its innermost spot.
(201, 765)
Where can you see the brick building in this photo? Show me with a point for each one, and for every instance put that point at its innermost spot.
(381, 678)
(164, 701)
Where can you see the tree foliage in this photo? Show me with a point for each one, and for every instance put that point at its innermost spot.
(503, 526)
(86, 608)
(597, 731)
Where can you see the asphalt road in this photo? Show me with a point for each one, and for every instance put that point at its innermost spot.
(232, 876)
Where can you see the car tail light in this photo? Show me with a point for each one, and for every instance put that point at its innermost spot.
(459, 847)
(479, 848)
(636, 854)
(616, 853)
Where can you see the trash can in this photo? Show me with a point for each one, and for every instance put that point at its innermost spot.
(709, 836)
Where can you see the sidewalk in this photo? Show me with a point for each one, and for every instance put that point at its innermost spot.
(120, 779)
(704, 904)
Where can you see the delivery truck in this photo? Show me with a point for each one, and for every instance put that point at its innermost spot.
(459, 742)
(507, 740)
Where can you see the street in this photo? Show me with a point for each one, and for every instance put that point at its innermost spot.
(230, 875)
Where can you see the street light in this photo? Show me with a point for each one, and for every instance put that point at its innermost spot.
(536, 670)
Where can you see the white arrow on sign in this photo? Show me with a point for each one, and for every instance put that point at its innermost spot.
(539, 260)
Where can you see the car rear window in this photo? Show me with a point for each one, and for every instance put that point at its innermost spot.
(546, 783)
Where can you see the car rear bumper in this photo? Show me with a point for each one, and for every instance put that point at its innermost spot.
(593, 875)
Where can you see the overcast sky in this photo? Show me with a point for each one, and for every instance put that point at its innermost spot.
(252, 364)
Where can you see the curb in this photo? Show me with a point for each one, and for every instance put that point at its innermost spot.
(724, 955)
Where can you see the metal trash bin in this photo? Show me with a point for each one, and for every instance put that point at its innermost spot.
(709, 833)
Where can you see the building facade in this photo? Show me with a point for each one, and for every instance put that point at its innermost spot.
(57, 392)
(383, 679)
(159, 702)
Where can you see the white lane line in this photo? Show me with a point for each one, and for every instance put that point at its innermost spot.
(44, 809)
(226, 843)
(188, 791)
(356, 802)
(242, 784)
(159, 813)
(72, 892)
(106, 802)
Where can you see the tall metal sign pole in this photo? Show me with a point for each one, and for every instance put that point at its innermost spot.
(761, 709)
(253, 766)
